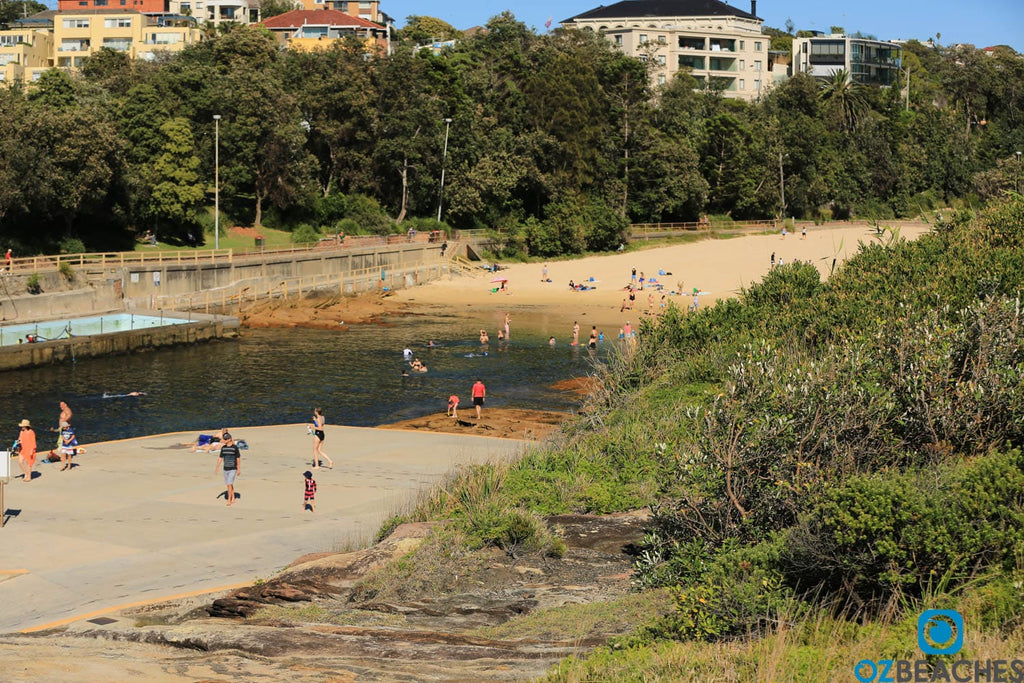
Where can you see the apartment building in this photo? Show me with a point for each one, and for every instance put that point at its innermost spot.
(65, 39)
(317, 29)
(720, 45)
(217, 12)
(869, 62)
(26, 49)
(368, 10)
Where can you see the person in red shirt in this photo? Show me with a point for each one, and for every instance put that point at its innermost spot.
(27, 454)
(479, 392)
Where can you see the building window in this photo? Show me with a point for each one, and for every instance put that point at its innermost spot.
(36, 75)
(757, 85)
(73, 45)
(64, 62)
(757, 46)
(618, 40)
(743, 45)
(661, 40)
(757, 65)
(743, 64)
(120, 44)
(661, 60)
(743, 84)
(643, 38)
(75, 23)
(120, 22)
(100, 3)
(661, 79)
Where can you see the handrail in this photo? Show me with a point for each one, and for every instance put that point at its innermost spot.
(120, 258)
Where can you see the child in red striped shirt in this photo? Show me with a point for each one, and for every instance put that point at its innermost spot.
(310, 492)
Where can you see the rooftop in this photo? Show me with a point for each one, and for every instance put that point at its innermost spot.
(317, 17)
(664, 8)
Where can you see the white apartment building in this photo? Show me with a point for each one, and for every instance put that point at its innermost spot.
(869, 62)
(720, 45)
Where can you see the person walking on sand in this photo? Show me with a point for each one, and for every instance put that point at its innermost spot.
(318, 439)
(309, 492)
(231, 459)
(479, 393)
(544, 273)
(575, 333)
(508, 321)
(27, 450)
(803, 233)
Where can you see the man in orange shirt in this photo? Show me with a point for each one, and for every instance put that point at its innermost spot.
(479, 392)
(27, 454)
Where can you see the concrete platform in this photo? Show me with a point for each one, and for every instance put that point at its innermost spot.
(145, 519)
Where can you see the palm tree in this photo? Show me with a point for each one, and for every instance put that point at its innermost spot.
(846, 97)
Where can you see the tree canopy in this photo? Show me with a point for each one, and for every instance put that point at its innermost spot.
(550, 136)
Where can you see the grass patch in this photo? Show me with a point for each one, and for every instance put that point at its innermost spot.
(583, 621)
(315, 613)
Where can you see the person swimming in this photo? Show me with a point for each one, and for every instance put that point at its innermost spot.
(129, 394)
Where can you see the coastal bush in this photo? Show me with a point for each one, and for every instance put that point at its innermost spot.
(304, 233)
(32, 284)
(66, 271)
(72, 245)
(883, 536)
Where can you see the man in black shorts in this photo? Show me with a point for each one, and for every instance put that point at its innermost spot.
(231, 459)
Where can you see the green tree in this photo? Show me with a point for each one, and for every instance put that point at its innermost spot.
(175, 193)
(845, 98)
(421, 30)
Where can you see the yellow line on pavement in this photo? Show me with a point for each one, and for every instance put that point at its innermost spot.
(129, 605)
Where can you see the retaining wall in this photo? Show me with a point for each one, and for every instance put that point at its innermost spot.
(205, 328)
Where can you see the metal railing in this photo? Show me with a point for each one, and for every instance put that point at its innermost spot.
(120, 258)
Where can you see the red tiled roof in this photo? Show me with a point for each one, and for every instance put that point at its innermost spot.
(317, 17)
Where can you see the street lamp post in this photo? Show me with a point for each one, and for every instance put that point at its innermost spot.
(1017, 184)
(444, 157)
(216, 182)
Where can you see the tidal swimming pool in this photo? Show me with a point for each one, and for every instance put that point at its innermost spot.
(11, 335)
(277, 376)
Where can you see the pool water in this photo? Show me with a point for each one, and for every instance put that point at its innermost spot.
(12, 335)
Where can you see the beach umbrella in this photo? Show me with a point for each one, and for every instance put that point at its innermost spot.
(500, 279)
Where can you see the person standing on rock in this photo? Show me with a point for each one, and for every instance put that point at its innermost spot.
(231, 459)
(479, 393)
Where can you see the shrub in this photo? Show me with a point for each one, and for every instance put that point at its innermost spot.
(66, 270)
(305, 233)
(32, 284)
(885, 535)
(72, 245)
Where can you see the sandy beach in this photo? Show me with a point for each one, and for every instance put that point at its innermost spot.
(718, 267)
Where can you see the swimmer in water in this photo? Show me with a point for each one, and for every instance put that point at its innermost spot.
(131, 393)
(551, 342)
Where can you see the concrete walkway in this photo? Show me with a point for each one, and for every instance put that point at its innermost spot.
(145, 519)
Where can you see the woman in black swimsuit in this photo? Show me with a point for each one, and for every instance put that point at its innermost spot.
(318, 440)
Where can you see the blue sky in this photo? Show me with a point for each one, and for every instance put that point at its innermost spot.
(981, 22)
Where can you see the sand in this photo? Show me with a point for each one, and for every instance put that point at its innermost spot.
(720, 268)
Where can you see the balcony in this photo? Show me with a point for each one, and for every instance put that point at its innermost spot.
(721, 64)
(691, 62)
(720, 45)
(686, 43)
(74, 46)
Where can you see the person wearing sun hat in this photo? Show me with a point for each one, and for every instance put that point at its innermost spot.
(27, 453)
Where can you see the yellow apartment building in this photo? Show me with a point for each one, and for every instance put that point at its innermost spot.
(28, 48)
(73, 36)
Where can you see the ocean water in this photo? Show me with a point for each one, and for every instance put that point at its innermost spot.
(278, 376)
